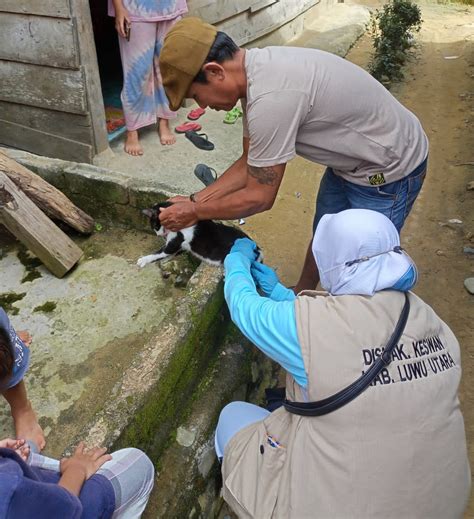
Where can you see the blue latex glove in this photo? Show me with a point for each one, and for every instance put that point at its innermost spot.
(246, 247)
(265, 277)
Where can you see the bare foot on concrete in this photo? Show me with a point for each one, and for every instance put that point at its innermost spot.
(166, 137)
(132, 144)
(27, 426)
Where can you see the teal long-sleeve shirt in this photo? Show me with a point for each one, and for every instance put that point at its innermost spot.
(268, 322)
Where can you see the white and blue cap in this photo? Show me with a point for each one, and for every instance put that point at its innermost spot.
(358, 251)
(20, 351)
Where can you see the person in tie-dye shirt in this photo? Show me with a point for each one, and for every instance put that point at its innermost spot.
(143, 97)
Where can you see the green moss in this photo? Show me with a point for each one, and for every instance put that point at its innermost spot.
(47, 307)
(30, 276)
(166, 403)
(8, 300)
(31, 263)
(28, 261)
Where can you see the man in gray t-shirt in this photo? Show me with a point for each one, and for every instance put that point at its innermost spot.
(296, 102)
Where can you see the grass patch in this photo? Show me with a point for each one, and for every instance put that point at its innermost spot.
(8, 300)
(46, 308)
(31, 263)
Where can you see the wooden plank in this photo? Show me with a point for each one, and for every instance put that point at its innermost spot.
(38, 40)
(214, 12)
(57, 8)
(261, 4)
(36, 85)
(43, 143)
(50, 200)
(75, 127)
(35, 230)
(245, 27)
(85, 37)
(247, 20)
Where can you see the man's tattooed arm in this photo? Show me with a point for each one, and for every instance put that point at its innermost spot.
(265, 175)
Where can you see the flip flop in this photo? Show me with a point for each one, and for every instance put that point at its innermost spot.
(205, 174)
(196, 113)
(199, 140)
(185, 127)
(232, 116)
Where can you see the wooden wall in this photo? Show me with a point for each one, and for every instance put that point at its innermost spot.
(249, 20)
(50, 99)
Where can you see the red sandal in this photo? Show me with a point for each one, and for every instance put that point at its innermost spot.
(196, 113)
(188, 126)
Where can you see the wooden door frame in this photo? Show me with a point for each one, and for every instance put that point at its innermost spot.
(81, 14)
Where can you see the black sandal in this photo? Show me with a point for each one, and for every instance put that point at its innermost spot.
(205, 174)
(199, 140)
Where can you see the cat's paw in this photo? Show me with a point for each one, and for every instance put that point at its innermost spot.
(145, 260)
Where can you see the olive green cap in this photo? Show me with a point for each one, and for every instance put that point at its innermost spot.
(184, 51)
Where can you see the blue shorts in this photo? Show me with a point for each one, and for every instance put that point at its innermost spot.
(394, 200)
(20, 351)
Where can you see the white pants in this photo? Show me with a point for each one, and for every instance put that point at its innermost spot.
(131, 473)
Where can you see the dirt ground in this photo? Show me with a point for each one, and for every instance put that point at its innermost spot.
(438, 87)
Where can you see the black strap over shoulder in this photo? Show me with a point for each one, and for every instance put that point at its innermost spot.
(349, 393)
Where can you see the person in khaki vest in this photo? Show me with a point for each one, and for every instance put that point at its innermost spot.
(398, 450)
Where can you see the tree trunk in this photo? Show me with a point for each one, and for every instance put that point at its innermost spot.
(35, 230)
(49, 199)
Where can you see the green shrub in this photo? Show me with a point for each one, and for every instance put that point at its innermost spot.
(392, 29)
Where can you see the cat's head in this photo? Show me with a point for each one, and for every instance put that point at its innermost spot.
(153, 215)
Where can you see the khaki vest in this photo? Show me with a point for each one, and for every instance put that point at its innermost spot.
(396, 451)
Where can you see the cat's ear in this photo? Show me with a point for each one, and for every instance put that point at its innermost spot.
(148, 212)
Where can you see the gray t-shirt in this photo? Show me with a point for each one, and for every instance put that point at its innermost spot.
(322, 107)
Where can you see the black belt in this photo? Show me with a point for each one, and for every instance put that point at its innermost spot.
(346, 395)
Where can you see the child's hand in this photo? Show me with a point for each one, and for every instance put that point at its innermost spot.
(25, 337)
(122, 19)
(19, 446)
(86, 462)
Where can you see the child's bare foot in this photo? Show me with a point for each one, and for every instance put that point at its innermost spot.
(166, 137)
(132, 144)
(27, 426)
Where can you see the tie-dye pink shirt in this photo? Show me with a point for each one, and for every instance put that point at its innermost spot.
(152, 10)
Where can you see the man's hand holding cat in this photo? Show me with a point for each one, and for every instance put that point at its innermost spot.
(178, 198)
(179, 215)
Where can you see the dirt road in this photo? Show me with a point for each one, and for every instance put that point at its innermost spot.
(439, 88)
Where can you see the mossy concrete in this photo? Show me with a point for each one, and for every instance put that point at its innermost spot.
(111, 342)
(107, 195)
(187, 480)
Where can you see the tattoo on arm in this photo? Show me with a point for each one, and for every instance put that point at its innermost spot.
(266, 175)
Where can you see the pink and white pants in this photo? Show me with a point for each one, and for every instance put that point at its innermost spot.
(143, 96)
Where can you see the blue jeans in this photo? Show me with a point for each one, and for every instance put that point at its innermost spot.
(394, 200)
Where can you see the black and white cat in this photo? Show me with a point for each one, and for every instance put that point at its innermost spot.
(207, 240)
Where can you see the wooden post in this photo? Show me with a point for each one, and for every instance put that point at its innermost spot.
(35, 230)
